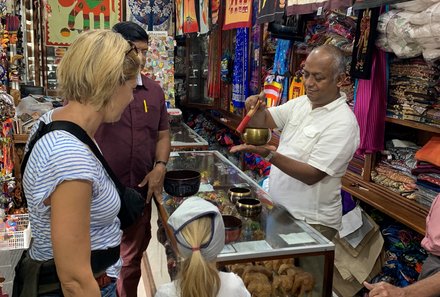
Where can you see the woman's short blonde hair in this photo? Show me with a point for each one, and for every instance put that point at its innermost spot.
(95, 64)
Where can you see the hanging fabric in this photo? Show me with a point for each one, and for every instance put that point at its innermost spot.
(296, 88)
(281, 66)
(214, 64)
(270, 10)
(371, 104)
(179, 17)
(307, 6)
(154, 15)
(190, 24)
(273, 88)
(215, 8)
(364, 43)
(240, 79)
(203, 16)
(237, 14)
(255, 77)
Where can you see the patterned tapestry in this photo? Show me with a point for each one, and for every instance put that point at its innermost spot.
(65, 19)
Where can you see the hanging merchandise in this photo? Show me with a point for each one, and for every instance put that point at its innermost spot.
(364, 43)
(254, 83)
(281, 66)
(215, 8)
(153, 15)
(203, 16)
(307, 6)
(179, 17)
(66, 19)
(270, 10)
(240, 79)
(226, 68)
(159, 65)
(296, 88)
(273, 88)
(237, 14)
(214, 65)
(190, 24)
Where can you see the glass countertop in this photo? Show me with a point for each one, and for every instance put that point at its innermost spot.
(272, 233)
(182, 135)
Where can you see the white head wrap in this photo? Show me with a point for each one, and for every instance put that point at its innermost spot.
(191, 209)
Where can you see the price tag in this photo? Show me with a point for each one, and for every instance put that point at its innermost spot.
(319, 12)
(350, 11)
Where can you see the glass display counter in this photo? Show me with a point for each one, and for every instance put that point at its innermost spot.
(183, 138)
(273, 234)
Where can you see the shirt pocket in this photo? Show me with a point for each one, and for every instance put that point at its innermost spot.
(307, 139)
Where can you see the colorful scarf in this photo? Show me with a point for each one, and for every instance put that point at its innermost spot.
(240, 79)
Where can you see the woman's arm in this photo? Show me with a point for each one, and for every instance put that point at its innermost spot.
(70, 227)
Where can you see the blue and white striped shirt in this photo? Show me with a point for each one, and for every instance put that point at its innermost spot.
(56, 157)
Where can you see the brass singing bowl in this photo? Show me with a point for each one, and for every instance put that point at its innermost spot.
(249, 207)
(236, 193)
(256, 136)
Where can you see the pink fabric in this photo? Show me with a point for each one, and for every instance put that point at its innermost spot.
(133, 244)
(431, 242)
(371, 104)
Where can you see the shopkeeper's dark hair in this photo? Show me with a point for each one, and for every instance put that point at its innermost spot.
(131, 31)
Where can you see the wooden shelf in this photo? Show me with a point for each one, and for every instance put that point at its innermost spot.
(231, 122)
(408, 212)
(413, 124)
(21, 138)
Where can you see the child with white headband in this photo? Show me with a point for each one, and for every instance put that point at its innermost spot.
(200, 235)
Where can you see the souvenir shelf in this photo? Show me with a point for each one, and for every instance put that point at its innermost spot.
(265, 237)
(408, 212)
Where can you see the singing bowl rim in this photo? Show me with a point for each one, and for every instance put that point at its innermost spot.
(170, 175)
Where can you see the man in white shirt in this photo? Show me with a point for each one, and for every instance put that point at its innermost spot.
(319, 137)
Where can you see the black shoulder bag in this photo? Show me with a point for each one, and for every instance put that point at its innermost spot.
(132, 202)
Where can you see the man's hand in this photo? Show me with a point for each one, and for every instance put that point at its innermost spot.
(384, 289)
(155, 179)
(262, 150)
(251, 101)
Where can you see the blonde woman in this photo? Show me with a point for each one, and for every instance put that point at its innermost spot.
(73, 204)
(200, 234)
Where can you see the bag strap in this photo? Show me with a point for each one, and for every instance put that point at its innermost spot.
(79, 133)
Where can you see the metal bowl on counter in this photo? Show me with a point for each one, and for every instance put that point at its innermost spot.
(182, 183)
(232, 228)
(256, 136)
(236, 193)
(249, 207)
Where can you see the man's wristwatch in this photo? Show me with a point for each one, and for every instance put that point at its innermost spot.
(269, 156)
(160, 162)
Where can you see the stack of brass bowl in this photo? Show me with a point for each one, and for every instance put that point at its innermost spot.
(256, 136)
(236, 193)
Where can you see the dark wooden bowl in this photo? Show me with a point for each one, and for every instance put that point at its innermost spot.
(232, 228)
(182, 183)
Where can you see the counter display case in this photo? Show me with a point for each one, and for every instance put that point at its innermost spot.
(183, 138)
(272, 235)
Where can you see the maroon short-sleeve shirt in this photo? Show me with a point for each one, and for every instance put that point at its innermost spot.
(129, 146)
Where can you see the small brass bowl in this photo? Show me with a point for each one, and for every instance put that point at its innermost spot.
(232, 228)
(237, 193)
(249, 207)
(256, 136)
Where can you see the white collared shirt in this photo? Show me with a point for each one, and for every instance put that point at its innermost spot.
(325, 138)
(139, 80)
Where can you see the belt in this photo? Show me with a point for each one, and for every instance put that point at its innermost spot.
(104, 280)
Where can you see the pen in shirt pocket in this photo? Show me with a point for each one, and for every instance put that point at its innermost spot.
(145, 106)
